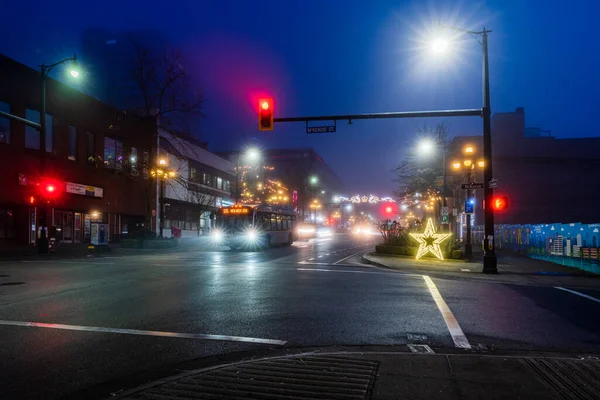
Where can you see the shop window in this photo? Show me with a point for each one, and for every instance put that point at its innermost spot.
(7, 224)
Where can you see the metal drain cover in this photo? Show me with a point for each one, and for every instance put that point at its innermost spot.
(572, 379)
(300, 378)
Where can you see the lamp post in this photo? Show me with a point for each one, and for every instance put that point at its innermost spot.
(42, 242)
(427, 146)
(253, 154)
(490, 261)
(469, 168)
(162, 174)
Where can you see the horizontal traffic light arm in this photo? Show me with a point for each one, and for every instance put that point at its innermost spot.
(407, 114)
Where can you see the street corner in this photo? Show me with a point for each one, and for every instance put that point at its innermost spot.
(399, 262)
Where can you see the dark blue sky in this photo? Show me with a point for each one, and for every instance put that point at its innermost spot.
(347, 56)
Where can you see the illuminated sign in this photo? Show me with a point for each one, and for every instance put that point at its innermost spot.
(429, 241)
(235, 210)
(371, 199)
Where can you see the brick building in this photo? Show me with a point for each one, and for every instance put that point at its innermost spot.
(97, 161)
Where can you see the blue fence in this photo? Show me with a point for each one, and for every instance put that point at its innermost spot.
(575, 244)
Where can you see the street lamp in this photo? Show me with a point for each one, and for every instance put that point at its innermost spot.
(427, 146)
(42, 243)
(469, 167)
(162, 174)
(314, 180)
(252, 154)
(490, 261)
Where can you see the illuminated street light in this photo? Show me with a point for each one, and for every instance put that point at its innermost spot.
(426, 146)
(469, 150)
(439, 45)
(253, 154)
(490, 260)
(468, 163)
(456, 165)
(481, 163)
(314, 180)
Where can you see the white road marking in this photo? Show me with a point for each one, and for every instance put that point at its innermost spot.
(354, 272)
(465, 270)
(68, 262)
(320, 257)
(345, 258)
(144, 333)
(310, 259)
(458, 336)
(578, 294)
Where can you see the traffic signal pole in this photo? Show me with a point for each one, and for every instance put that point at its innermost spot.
(476, 112)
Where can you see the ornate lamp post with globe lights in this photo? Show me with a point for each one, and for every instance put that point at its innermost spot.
(162, 173)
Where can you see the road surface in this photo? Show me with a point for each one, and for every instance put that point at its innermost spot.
(67, 325)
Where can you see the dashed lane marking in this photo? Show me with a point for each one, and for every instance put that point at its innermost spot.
(458, 336)
(578, 294)
(201, 336)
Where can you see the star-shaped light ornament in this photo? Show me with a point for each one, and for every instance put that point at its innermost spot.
(429, 241)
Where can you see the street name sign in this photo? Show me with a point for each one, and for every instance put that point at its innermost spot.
(472, 185)
(320, 129)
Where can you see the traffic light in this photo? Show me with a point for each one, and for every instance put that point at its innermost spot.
(499, 203)
(265, 114)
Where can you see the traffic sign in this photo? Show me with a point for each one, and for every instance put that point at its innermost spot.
(320, 129)
(469, 206)
(493, 183)
(443, 219)
(472, 185)
(444, 211)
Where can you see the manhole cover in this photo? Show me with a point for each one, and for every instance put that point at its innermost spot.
(310, 377)
(11, 283)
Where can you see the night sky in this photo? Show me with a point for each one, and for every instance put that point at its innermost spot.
(320, 57)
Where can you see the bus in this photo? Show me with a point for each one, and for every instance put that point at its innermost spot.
(251, 226)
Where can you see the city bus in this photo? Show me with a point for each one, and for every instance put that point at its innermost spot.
(251, 226)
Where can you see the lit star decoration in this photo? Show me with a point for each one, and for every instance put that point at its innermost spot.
(429, 241)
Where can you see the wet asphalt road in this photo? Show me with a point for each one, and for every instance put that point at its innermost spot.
(102, 315)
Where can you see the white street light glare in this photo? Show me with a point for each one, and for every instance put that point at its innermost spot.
(439, 45)
(426, 146)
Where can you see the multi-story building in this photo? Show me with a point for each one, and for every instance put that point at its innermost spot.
(96, 163)
(546, 179)
(203, 182)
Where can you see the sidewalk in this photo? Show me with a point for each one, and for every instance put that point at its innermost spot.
(384, 375)
(512, 268)
(81, 250)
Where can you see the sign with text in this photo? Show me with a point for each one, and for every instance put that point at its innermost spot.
(472, 185)
(84, 190)
(320, 129)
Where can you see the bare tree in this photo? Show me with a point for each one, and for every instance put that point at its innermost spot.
(164, 88)
(418, 174)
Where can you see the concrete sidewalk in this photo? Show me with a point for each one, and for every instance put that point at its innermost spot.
(384, 375)
(81, 250)
(512, 268)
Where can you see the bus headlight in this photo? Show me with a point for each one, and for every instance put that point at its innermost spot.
(252, 235)
(217, 236)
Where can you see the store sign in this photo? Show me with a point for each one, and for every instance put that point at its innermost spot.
(84, 190)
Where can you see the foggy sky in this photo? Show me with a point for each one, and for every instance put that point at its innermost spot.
(321, 57)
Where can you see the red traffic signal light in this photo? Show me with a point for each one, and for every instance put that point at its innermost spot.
(389, 209)
(32, 200)
(499, 203)
(265, 115)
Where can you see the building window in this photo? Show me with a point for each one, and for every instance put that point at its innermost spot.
(133, 161)
(32, 135)
(227, 186)
(90, 146)
(72, 143)
(4, 124)
(113, 153)
(219, 183)
(192, 174)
